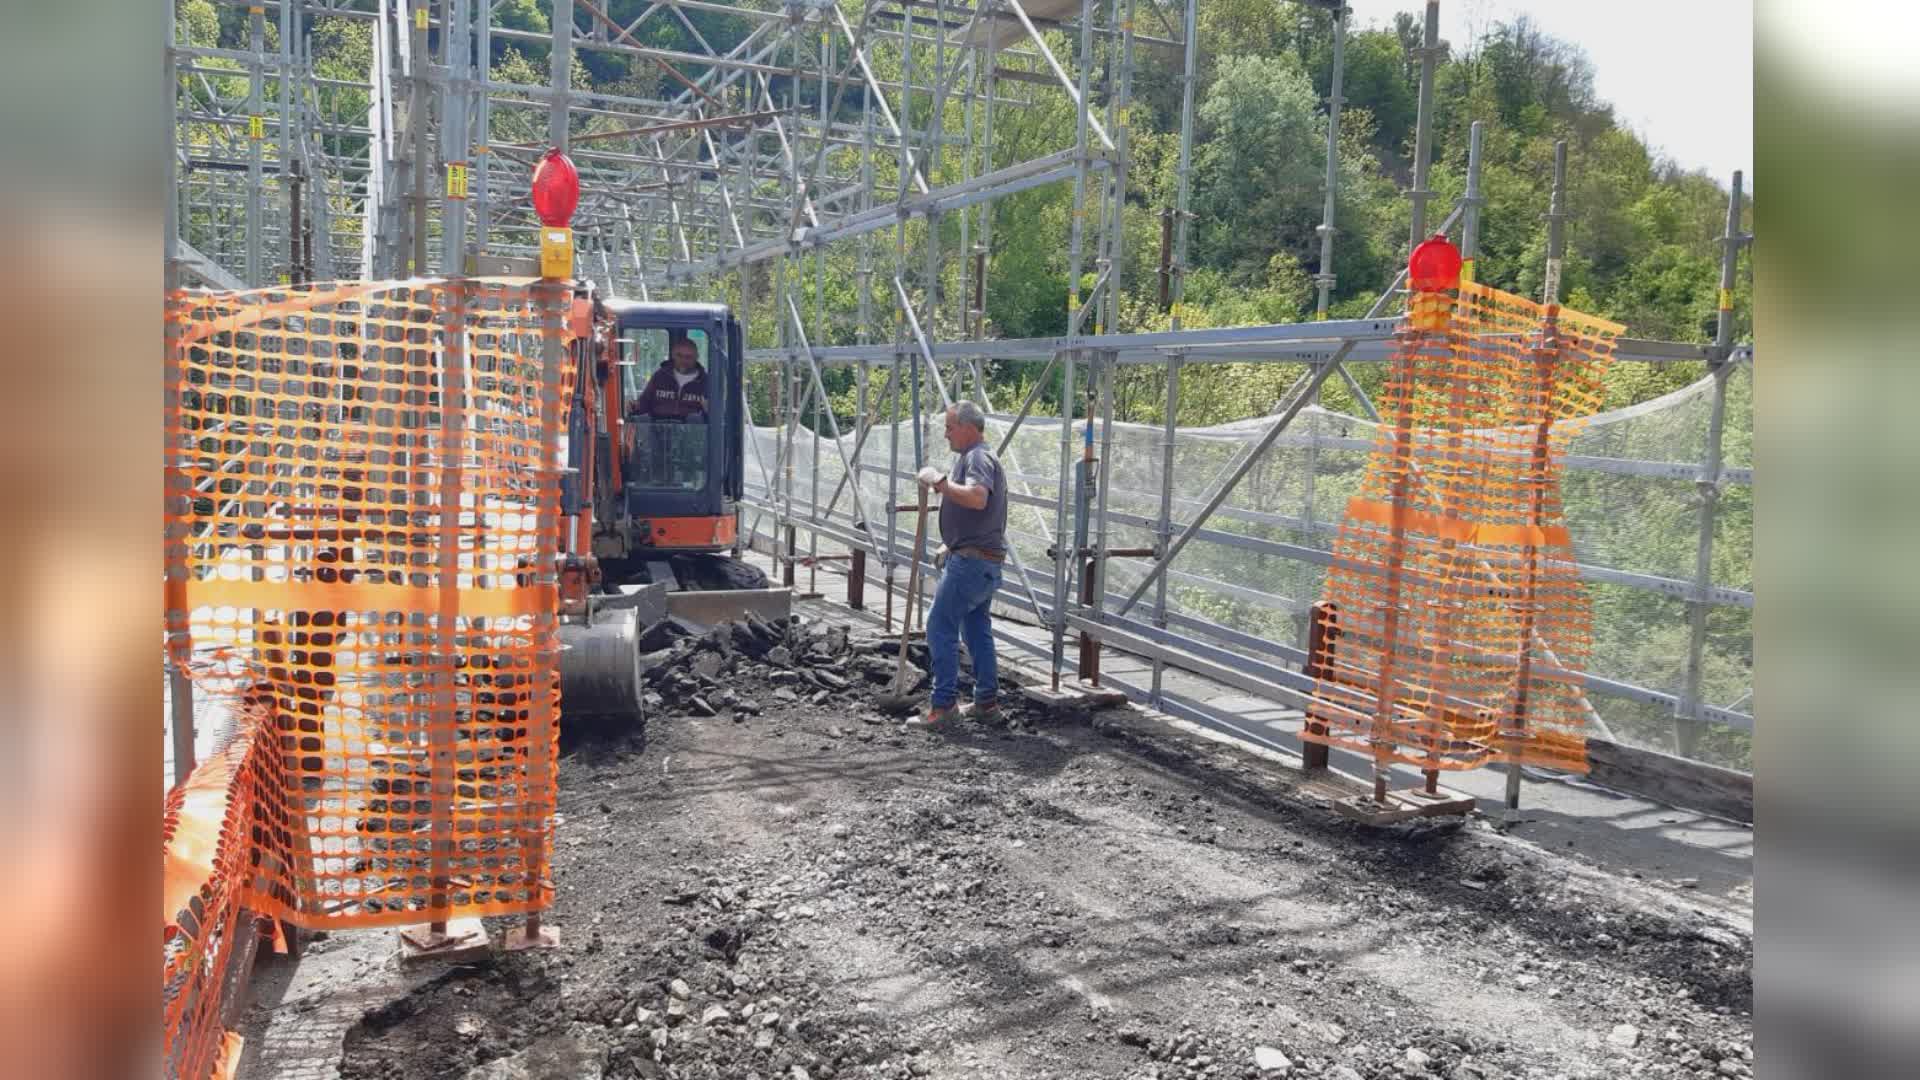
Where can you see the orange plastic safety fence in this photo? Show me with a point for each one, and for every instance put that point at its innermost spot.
(1459, 626)
(217, 842)
(362, 524)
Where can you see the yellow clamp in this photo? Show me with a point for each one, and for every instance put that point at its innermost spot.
(256, 9)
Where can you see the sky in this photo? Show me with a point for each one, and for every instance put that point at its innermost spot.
(1678, 72)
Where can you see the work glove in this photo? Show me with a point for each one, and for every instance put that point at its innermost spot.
(930, 477)
(940, 558)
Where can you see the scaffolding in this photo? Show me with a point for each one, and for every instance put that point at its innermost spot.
(791, 134)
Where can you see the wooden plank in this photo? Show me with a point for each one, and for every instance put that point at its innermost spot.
(1671, 780)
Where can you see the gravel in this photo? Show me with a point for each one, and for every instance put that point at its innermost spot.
(1046, 898)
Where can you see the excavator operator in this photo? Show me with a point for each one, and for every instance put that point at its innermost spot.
(678, 389)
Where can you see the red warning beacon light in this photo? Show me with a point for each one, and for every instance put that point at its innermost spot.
(556, 190)
(1432, 271)
(1434, 265)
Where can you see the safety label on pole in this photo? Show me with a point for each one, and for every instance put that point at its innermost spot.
(256, 127)
(456, 179)
(420, 17)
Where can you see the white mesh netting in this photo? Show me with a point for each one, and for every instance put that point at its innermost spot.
(1632, 504)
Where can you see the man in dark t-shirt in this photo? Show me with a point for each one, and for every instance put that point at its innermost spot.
(973, 534)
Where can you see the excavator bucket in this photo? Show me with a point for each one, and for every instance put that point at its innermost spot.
(707, 607)
(601, 660)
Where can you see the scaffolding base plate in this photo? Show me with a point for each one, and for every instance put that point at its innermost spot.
(465, 939)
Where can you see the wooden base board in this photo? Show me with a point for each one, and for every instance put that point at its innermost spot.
(1073, 696)
(465, 939)
(1404, 805)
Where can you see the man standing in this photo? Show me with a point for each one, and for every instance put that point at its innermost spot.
(973, 534)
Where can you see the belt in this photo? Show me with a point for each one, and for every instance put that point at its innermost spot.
(981, 553)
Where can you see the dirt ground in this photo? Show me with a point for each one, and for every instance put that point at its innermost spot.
(797, 887)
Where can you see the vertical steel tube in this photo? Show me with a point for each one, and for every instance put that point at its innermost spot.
(1183, 186)
(1064, 555)
(179, 687)
(256, 138)
(289, 245)
(1687, 723)
(418, 121)
(560, 73)
(482, 152)
(1470, 205)
(1423, 125)
(1325, 279)
(456, 48)
(1545, 355)
(1163, 527)
(984, 252)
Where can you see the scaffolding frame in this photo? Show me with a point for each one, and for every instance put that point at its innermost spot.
(821, 132)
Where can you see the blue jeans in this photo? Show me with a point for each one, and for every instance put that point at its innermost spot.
(960, 609)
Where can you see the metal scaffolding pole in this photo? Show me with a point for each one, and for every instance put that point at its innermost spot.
(419, 104)
(1687, 715)
(1423, 126)
(256, 139)
(1324, 280)
(1064, 555)
(1546, 359)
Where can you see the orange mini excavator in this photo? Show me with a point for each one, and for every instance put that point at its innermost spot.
(655, 454)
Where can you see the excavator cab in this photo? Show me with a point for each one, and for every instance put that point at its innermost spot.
(671, 439)
(682, 435)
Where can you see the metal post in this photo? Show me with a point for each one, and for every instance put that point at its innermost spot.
(452, 455)
(256, 138)
(482, 152)
(1063, 552)
(1177, 281)
(560, 73)
(1101, 481)
(456, 48)
(179, 686)
(1470, 204)
(540, 732)
(418, 122)
(1687, 723)
(1423, 126)
(1325, 278)
(290, 243)
(889, 558)
(1546, 355)
(1163, 527)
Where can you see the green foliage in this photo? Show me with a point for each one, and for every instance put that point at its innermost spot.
(1257, 165)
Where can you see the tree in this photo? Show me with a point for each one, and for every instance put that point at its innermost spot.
(1257, 179)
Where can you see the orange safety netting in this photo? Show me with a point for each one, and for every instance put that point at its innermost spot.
(215, 843)
(1459, 626)
(362, 524)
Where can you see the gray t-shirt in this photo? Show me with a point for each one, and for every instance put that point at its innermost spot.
(985, 528)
